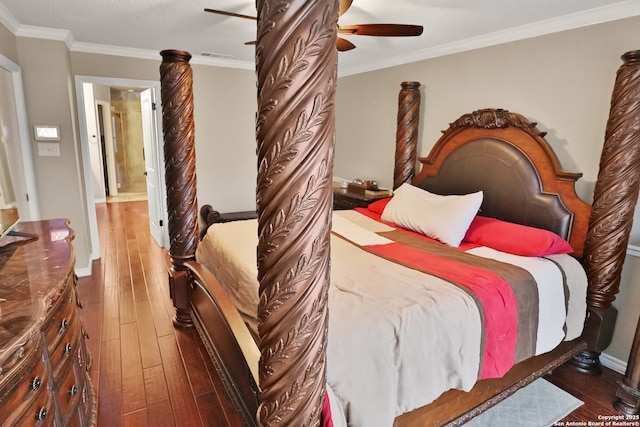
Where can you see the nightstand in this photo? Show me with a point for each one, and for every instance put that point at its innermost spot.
(344, 199)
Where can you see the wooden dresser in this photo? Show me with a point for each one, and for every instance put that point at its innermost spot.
(44, 364)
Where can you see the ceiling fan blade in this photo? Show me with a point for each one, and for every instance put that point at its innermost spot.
(384, 30)
(236, 15)
(344, 45)
(344, 6)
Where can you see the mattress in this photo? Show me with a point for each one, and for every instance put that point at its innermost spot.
(399, 337)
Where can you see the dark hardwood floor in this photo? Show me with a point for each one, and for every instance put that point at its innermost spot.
(148, 373)
(145, 371)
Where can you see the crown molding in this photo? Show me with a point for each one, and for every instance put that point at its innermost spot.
(569, 22)
(19, 30)
(8, 20)
(155, 55)
(46, 34)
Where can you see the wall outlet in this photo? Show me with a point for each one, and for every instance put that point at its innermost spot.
(48, 149)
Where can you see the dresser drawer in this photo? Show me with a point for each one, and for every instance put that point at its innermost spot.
(63, 315)
(85, 407)
(26, 386)
(41, 413)
(66, 348)
(68, 391)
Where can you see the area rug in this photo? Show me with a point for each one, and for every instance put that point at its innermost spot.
(540, 404)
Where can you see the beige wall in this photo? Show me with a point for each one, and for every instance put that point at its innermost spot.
(562, 81)
(8, 45)
(50, 100)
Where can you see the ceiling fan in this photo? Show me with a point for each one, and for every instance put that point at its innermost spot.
(343, 45)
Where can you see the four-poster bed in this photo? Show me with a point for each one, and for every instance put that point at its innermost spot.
(282, 378)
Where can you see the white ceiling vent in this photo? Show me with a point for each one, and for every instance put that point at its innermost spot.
(216, 55)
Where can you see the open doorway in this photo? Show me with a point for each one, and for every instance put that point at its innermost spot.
(121, 141)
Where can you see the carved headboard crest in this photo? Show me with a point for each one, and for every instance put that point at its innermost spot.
(491, 118)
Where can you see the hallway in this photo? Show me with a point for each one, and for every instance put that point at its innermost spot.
(144, 371)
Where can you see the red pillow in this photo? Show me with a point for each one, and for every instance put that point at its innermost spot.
(515, 238)
(379, 205)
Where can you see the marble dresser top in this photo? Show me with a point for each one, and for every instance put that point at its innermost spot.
(32, 274)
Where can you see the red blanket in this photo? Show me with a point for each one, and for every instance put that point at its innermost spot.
(493, 292)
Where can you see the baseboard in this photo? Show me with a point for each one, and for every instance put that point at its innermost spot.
(613, 363)
(84, 271)
(610, 361)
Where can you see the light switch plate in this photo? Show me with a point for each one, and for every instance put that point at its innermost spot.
(48, 149)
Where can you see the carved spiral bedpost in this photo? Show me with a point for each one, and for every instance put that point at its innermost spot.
(615, 198)
(179, 154)
(629, 387)
(407, 133)
(296, 62)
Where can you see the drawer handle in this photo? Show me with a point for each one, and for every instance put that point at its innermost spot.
(67, 348)
(36, 383)
(63, 325)
(41, 414)
(79, 304)
(74, 390)
(85, 334)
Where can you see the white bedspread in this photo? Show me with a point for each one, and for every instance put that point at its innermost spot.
(398, 338)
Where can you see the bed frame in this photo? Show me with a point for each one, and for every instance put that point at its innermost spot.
(281, 380)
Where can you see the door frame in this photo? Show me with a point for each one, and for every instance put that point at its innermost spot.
(108, 163)
(25, 184)
(86, 161)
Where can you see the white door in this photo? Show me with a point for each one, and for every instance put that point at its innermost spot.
(152, 160)
(17, 168)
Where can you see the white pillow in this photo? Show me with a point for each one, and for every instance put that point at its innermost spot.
(445, 218)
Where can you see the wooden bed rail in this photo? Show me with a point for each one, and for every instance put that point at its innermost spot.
(235, 355)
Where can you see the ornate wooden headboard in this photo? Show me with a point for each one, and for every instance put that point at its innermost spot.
(506, 156)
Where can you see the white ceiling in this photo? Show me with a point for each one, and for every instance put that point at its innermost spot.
(144, 27)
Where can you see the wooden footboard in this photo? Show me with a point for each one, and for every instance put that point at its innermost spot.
(227, 339)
